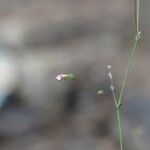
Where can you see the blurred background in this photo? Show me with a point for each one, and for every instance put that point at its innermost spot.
(42, 38)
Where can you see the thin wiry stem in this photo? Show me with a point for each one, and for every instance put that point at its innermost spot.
(134, 48)
(137, 13)
(127, 71)
(121, 92)
(119, 128)
(118, 102)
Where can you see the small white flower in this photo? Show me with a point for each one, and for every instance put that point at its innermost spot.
(61, 76)
(58, 77)
(110, 75)
(109, 67)
(112, 87)
(65, 77)
(138, 36)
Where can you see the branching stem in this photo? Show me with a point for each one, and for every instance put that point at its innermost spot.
(137, 38)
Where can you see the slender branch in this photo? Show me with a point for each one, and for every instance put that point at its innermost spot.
(118, 102)
(134, 48)
(127, 71)
(121, 92)
(137, 13)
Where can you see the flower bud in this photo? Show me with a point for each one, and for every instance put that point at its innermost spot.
(65, 77)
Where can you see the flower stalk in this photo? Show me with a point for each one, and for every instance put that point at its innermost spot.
(119, 101)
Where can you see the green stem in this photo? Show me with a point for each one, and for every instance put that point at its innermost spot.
(136, 40)
(119, 128)
(118, 105)
(128, 70)
(122, 89)
(129, 65)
